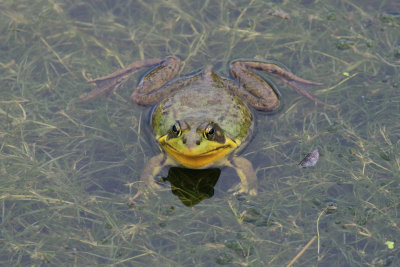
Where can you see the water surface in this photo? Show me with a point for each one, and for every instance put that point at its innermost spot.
(69, 171)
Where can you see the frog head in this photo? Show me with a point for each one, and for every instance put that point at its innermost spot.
(197, 143)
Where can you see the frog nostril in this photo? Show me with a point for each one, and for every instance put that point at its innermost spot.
(198, 142)
(184, 140)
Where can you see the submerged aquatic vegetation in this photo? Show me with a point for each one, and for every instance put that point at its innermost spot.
(69, 172)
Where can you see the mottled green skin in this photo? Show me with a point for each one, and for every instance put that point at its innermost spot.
(207, 97)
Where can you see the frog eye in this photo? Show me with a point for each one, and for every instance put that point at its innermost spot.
(209, 132)
(176, 129)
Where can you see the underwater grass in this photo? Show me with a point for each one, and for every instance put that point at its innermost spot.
(69, 172)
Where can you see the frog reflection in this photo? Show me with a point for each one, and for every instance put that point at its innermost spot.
(192, 186)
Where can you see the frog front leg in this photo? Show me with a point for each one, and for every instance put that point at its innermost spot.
(152, 169)
(256, 91)
(248, 179)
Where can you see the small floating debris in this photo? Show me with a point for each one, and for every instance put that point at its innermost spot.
(276, 13)
(331, 206)
(310, 160)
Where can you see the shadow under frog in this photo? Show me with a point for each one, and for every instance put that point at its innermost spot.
(192, 186)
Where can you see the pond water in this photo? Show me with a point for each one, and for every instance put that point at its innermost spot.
(70, 172)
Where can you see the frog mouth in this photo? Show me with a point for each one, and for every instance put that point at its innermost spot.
(198, 158)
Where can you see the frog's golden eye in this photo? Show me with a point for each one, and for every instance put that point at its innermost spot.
(209, 132)
(176, 129)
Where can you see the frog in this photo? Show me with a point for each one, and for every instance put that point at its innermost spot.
(203, 120)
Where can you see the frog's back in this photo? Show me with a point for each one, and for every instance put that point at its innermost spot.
(205, 97)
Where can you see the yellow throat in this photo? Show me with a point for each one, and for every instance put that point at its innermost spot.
(203, 155)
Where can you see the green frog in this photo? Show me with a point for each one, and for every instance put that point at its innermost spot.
(203, 120)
